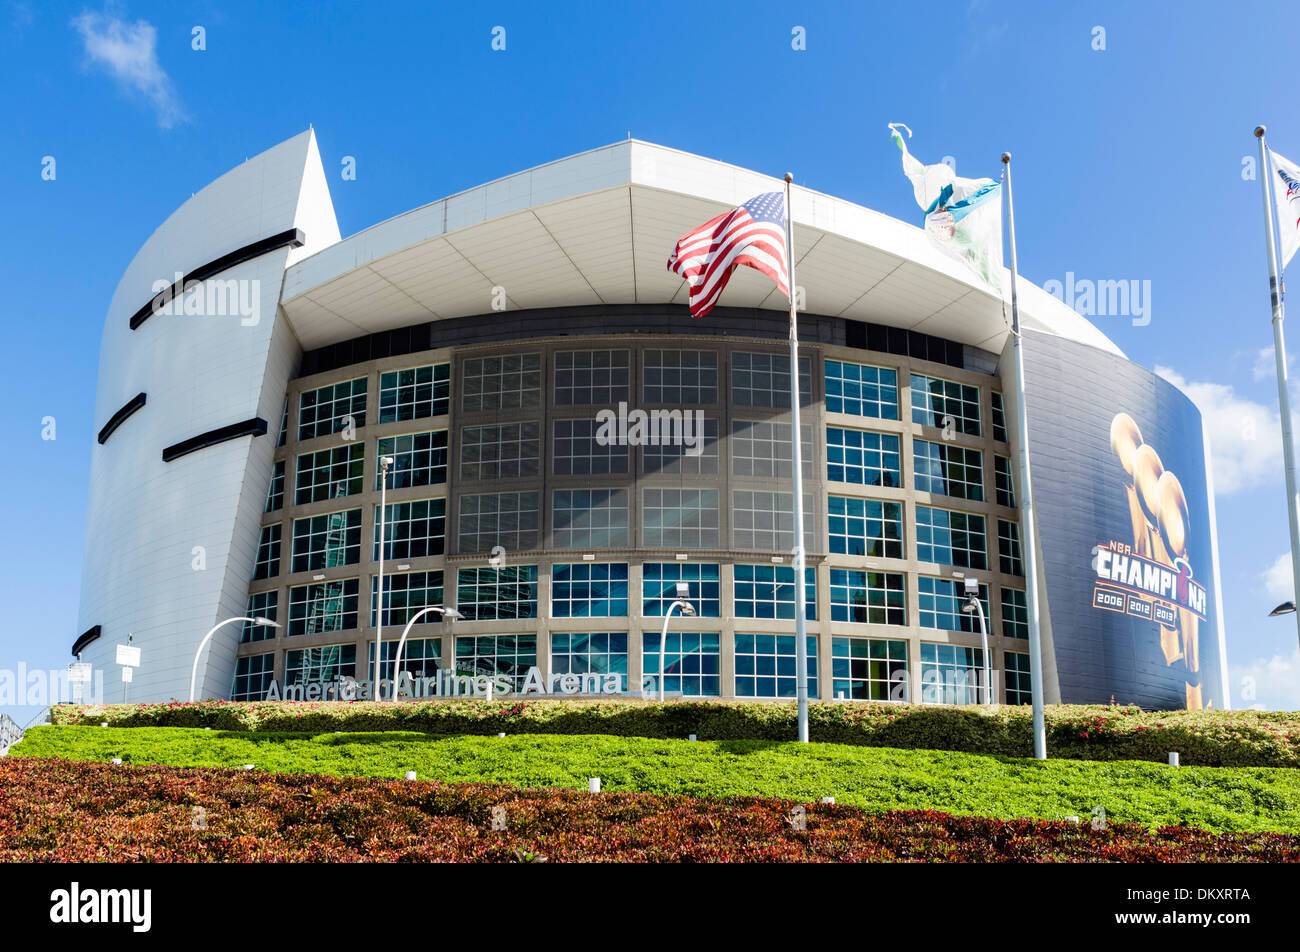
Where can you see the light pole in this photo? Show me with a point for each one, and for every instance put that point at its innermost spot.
(194, 672)
(973, 604)
(688, 610)
(397, 658)
(384, 463)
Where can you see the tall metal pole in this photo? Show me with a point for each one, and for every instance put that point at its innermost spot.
(800, 610)
(1276, 291)
(384, 463)
(1028, 544)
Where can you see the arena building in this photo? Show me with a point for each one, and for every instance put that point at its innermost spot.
(570, 446)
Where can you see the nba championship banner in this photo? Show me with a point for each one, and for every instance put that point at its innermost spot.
(1125, 529)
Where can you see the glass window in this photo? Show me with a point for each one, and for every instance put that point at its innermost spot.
(680, 376)
(692, 664)
(767, 591)
(1017, 677)
(419, 459)
(502, 451)
(412, 530)
(676, 457)
(869, 669)
(1015, 614)
(934, 398)
(1004, 481)
(507, 382)
(589, 590)
(284, 425)
(590, 519)
(261, 605)
(940, 600)
(872, 598)
(764, 521)
(253, 677)
(509, 655)
(324, 664)
(326, 541)
(1009, 548)
(275, 492)
(488, 520)
(951, 674)
(950, 538)
(999, 419)
(865, 527)
(766, 665)
(763, 380)
(328, 474)
(659, 588)
(407, 594)
(948, 469)
(592, 377)
(268, 552)
(323, 606)
(484, 593)
(414, 393)
(600, 652)
(764, 449)
(421, 658)
(329, 409)
(577, 451)
(680, 518)
(862, 457)
(861, 390)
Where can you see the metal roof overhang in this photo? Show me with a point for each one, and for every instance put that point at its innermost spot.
(597, 228)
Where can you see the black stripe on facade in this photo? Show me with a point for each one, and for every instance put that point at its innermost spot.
(118, 418)
(89, 635)
(254, 427)
(293, 238)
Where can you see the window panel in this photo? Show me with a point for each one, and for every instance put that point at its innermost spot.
(680, 518)
(861, 390)
(764, 521)
(863, 457)
(421, 658)
(1009, 562)
(412, 530)
(268, 552)
(419, 459)
(950, 538)
(491, 655)
(275, 492)
(1017, 677)
(766, 665)
(590, 519)
(767, 591)
(951, 674)
(329, 474)
(675, 457)
(577, 452)
(939, 602)
(680, 376)
(414, 393)
(328, 409)
(934, 398)
(692, 663)
(406, 595)
(868, 527)
(488, 520)
(600, 377)
(948, 470)
(659, 588)
(763, 380)
(602, 652)
(507, 382)
(1015, 614)
(589, 590)
(253, 677)
(764, 449)
(869, 669)
(261, 605)
(488, 594)
(999, 419)
(323, 606)
(327, 541)
(1005, 482)
(872, 598)
(311, 665)
(501, 451)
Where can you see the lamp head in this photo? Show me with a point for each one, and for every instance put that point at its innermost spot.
(1284, 609)
(268, 623)
(451, 614)
(971, 585)
(688, 609)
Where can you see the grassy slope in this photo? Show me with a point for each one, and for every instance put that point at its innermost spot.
(1219, 799)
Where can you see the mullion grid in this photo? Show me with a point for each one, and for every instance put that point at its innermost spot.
(951, 674)
(939, 603)
(863, 457)
(951, 537)
(692, 662)
(484, 593)
(590, 652)
(329, 473)
(680, 377)
(1009, 562)
(766, 665)
(948, 469)
(866, 527)
(866, 597)
(419, 459)
(412, 530)
(487, 520)
(589, 590)
(576, 452)
(493, 655)
(590, 519)
(323, 606)
(414, 393)
(934, 398)
(500, 451)
(505, 382)
(406, 595)
(768, 591)
(869, 669)
(861, 390)
(327, 541)
(593, 377)
(327, 409)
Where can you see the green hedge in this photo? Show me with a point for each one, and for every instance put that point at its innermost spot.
(1202, 738)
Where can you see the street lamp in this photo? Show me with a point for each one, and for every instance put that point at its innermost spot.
(1284, 609)
(972, 587)
(688, 610)
(194, 672)
(397, 658)
(384, 463)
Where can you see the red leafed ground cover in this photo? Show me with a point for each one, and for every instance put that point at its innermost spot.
(58, 810)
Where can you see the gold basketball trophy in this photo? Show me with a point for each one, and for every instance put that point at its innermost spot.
(1158, 513)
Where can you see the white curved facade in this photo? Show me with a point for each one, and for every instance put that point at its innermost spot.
(171, 546)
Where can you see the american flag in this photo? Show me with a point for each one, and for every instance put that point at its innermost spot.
(753, 235)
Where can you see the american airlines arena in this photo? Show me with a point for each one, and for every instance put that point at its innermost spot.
(255, 367)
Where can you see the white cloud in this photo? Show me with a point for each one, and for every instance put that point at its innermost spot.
(1245, 436)
(1277, 579)
(1271, 683)
(129, 53)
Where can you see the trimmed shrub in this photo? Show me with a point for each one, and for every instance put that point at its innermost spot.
(1202, 738)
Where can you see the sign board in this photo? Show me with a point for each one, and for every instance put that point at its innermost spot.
(127, 674)
(128, 655)
(79, 673)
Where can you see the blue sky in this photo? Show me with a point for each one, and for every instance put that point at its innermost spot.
(1128, 164)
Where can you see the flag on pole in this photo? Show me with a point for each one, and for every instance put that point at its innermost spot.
(1286, 197)
(752, 235)
(963, 216)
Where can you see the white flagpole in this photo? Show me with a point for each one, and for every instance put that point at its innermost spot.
(1028, 546)
(800, 611)
(1277, 292)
